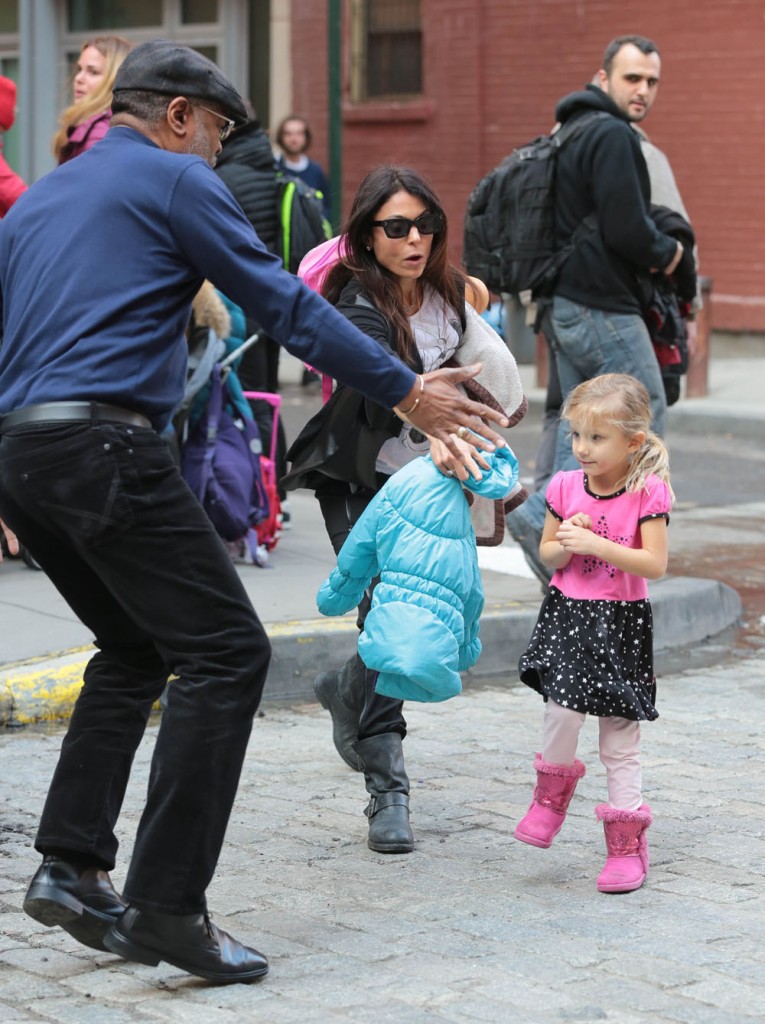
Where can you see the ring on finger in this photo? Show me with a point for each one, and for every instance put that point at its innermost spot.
(462, 433)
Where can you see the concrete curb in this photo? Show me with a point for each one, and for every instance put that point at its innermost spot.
(706, 415)
(686, 611)
(697, 416)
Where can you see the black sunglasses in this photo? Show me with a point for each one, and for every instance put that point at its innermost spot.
(399, 227)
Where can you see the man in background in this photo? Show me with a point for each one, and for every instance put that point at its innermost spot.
(594, 322)
(664, 192)
(293, 136)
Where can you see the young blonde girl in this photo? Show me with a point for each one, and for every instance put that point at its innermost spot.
(592, 648)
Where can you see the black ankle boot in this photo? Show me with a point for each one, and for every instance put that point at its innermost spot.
(190, 942)
(342, 694)
(75, 896)
(382, 761)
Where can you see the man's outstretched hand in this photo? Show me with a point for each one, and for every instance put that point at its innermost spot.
(442, 409)
(13, 544)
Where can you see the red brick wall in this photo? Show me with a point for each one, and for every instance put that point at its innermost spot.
(309, 75)
(494, 70)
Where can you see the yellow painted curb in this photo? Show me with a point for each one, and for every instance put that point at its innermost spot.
(43, 689)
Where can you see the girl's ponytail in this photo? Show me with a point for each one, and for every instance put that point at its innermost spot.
(651, 459)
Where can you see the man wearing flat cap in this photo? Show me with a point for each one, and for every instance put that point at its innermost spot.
(92, 366)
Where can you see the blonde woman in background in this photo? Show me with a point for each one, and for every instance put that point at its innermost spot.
(86, 120)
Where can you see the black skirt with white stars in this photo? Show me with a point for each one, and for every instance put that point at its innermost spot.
(593, 656)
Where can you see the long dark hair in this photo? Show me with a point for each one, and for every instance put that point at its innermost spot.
(360, 262)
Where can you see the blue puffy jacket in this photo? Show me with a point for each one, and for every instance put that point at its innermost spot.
(417, 535)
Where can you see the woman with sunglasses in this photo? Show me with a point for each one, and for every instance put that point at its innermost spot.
(86, 120)
(396, 284)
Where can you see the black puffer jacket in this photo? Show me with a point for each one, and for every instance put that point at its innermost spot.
(683, 278)
(247, 166)
(603, 172)
(340, 443)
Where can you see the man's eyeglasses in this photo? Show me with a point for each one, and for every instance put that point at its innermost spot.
(399, 227)
(227, 128)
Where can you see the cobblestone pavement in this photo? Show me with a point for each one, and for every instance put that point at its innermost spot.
(471, 927)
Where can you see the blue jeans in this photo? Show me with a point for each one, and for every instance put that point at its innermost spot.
(587, 342)
(107, 515)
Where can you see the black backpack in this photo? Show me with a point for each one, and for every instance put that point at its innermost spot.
(302, 224)
(509, 229)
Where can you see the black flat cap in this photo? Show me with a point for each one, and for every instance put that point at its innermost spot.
(172, 69)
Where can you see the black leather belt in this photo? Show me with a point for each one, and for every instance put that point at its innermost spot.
(72, 412)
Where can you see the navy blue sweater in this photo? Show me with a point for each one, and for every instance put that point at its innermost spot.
(99, 261)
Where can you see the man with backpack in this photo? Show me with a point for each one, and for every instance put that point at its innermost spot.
(594, 319)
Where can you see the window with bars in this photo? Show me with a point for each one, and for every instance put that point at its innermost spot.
(386, 45)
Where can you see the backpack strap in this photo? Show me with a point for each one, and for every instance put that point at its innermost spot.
(564, 133)
(214, 407)
(285, 215)
(561, 137)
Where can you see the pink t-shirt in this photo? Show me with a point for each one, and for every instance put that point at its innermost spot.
(616, 517)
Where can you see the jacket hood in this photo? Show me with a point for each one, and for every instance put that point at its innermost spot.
(7, 103)
(499, 479)
(589, 98)
(248, 144)
(423, 495)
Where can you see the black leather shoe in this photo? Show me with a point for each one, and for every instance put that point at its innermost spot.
(82, 901)
(190, 942)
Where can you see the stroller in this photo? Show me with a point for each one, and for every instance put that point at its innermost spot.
(269, 529)
(221, 452)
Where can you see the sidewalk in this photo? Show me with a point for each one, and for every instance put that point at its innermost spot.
(43, 648)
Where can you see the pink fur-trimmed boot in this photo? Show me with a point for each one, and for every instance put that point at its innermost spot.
(626, 866)
(552, 795)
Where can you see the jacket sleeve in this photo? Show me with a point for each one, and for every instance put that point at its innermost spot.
(357, 564)
(620, 204)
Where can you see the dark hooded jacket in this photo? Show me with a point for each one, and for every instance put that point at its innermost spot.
(246, 164)
(602, 173)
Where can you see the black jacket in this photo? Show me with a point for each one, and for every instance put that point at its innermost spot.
(341, 442)
(683, 278)
(247, 166)
(602, 172)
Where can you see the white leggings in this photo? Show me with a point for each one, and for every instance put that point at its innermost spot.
(619, 751)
